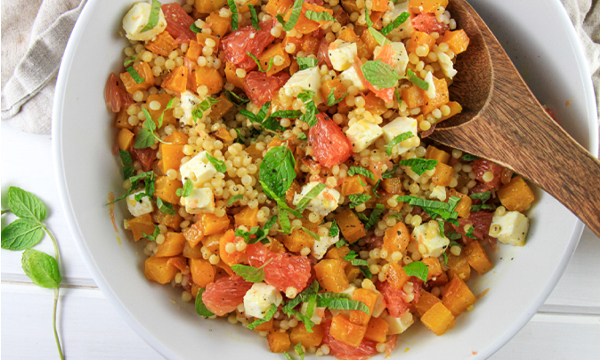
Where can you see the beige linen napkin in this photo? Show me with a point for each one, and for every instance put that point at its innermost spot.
(35, 33)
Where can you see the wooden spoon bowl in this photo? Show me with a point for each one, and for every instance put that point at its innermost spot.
(502, 121)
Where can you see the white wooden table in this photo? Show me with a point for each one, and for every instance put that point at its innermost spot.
(566, 327)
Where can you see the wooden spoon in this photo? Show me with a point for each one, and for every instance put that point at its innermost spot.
(503, 121)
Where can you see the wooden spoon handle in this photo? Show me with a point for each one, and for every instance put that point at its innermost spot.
(535, 146)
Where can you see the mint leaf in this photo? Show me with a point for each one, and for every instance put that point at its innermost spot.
(234, 199)
(358, 199)
(41, 268)
(234, 15)
(313, 193)
(319, 16)
(25, 205)
(268, 316)
(195, 29)
(187, 189)
(22, 234)
(469, 158)
(362, 171)
(134, 74)
(299, 350)
(235, 98)
(277, 170)
(417, 80)
(343, 304)
(144, 139)
(154, 234)
(254, 17)
(417, 269)
(380, 74)
(200, 307)
(302, 136)
(334, 230)
(394, 24)
(249, 273)
(379, 37)
(331, 100)
(294, 16)
(256, 234)
(305, 62)
(375, 214)
(483, 196)
(418, 165)
(165, 207)
(125, 157)
(219, 164)
(153, 18)
(397, 140)
(470, 232)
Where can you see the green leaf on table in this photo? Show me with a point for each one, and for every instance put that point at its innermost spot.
(41, 268)
(22, 234)
(25, 205)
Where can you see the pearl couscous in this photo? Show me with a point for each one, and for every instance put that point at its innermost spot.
(278, 172)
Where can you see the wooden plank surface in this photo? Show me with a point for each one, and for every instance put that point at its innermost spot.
(567, 326)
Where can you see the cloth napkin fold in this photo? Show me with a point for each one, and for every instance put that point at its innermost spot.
(35, 34)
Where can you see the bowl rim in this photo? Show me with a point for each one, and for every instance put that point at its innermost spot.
(155, 342)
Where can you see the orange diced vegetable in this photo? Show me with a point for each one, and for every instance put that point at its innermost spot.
(176, 80)
(379, 5)
(331, 275)
(229, 258)
(140, 225)
(202, 37)
(413, 96)
(122, 120)
(160, 269)
(208, 6)
(418, 38)
(219, 25)
(171, 221)
(232, 78)
(353, 185)
(163, 100)
(455, 108)
(396, 276)
(434, 266)
(212, 242)
(194, 234)
(145, 72)
(348, 35)
(337, 253)
(298, 240)
(166, 189)
(352, 272)
(171, 246)
(270, 53)
(396, 238)
(247, 217)
(194, 51)
(124, 139)
(426, 6)
(457, 296)
(374, 104)
(377, 330)
(172, 151)
(299, 334)
(443, 174)
(434, 153)
(464, 205)
(369, 41)
(192, 252)
(350, 225)
(278, 341)
(426, 302)
(457, 41)
(392, 185)
(217, 111)
(213, 224)
(209, 77)
(275, 7)
(367, 297)
(516, 195)
(459, 266)
(163, 44)
(266, 326)
(441, 96)
(336, 85)
(346, 331)
(438, 319)
(478, 258)
(203, 273)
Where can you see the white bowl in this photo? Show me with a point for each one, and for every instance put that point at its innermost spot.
(542, 42)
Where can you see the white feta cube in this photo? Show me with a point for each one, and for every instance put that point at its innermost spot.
(318, 313)
(136, 20)
(319, 248)
(189, 102)
(431, 89)
(322, 204)
(342, 54)
(405, 29)
(352, 76)
(435, 246)
(438, 192)
(399, 126)
(446, 64)
(198, 169)
(513, 228)
(199, 201)
(307, 79)
(399, 59)
(379, 305)
(259, 299)
(362, 134)
(140, 207)
(399, 325)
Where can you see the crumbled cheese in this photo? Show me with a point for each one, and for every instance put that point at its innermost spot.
(342, 54)
(513, 228)
(322, 204)
(431, 89)
(399, 325)
(318, 313)
(434, 246)
(438, 192)
(199, 169)
(137, 18)
(352, 76)
(200, 200)
(189, 102)
(399, 126)
(259, 299)
(405, 29)
(307, 79)
(362, 134)
(319, 248)
(141, 207)
(399, 59)
(446, 64)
